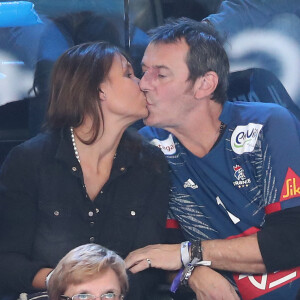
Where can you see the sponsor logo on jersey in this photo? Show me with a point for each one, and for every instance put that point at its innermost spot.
(291, 186)
(244, 138)
(254, 286)
(167, 146)
(190, 184)
(239, 174)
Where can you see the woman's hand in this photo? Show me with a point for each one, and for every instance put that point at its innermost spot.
(210, 285)
(166, 257)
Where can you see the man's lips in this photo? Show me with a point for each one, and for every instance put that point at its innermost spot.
(148, 103)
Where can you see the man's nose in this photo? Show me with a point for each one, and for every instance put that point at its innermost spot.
(145, 84)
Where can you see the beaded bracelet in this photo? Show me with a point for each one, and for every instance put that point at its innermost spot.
(196, 250)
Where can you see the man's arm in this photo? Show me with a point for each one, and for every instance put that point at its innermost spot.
(208, 284)
(275, 247)
(236, 255)
(241, 255)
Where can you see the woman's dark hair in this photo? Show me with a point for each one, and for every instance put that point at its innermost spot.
(74, 91)
(206, 52)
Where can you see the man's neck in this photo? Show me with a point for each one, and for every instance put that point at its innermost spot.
(200, 130)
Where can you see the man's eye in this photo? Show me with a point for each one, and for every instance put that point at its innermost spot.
(129, 75)
(161, 76)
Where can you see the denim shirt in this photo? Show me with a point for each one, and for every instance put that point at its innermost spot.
(45, 210)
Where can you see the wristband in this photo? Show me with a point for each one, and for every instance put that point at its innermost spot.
(185, 254)
(184, 274)
(188, 270)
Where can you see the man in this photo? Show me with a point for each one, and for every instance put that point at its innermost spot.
(235, 172)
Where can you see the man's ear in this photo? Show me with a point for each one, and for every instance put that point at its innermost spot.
(204, 86)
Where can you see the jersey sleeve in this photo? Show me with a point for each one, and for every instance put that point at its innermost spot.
(281, 167)
(280, 235)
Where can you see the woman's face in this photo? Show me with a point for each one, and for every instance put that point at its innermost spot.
(121, 94)
(106, 282)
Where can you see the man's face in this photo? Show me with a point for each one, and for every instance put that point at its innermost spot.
(169, 94)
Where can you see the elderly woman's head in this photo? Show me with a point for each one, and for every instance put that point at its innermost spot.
(87, 271)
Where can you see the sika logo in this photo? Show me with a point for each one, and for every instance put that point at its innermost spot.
(244, 138)
(239, 174)
(167, 146)
(291, 186)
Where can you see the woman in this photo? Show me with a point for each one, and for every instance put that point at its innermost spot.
(87, 272)
(86, 179)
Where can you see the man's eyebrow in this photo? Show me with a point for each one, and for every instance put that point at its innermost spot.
(157, 66)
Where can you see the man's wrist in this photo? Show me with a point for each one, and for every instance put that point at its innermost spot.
(188, 270)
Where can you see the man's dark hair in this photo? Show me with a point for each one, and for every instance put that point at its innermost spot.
(206, 52)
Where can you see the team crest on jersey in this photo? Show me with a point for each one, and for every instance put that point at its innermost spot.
(244, 138)
(167, 146)
(239, 174)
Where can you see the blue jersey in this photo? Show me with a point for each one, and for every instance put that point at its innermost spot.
(251, 172)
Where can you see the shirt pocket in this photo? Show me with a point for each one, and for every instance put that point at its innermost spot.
(121, 230)
(56, 221)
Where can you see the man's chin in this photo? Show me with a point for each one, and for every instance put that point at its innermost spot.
(147, 121)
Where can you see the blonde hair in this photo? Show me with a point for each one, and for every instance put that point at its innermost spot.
(82, 264)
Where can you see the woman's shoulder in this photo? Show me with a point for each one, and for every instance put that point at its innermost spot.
(39, 142)
(34, 148)
(145, 152)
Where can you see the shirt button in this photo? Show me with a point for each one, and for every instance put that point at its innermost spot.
(92, 239)
(101, 192)
(91, 213)
(133, 213)
(56, 213)
(92, 224)
(97, 210)
(74, 169)
(122, 169)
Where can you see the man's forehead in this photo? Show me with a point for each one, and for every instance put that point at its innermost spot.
(164, 55)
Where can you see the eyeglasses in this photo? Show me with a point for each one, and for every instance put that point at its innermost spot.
(110, 295)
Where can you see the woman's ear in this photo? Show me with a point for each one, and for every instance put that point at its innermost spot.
(206, 85)
(102, 95)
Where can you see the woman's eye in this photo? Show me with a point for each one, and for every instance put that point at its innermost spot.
(161, 76)
(129, 75)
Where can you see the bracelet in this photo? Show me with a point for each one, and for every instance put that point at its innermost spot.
(187, 272)
(185, 254)
(196, 250)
